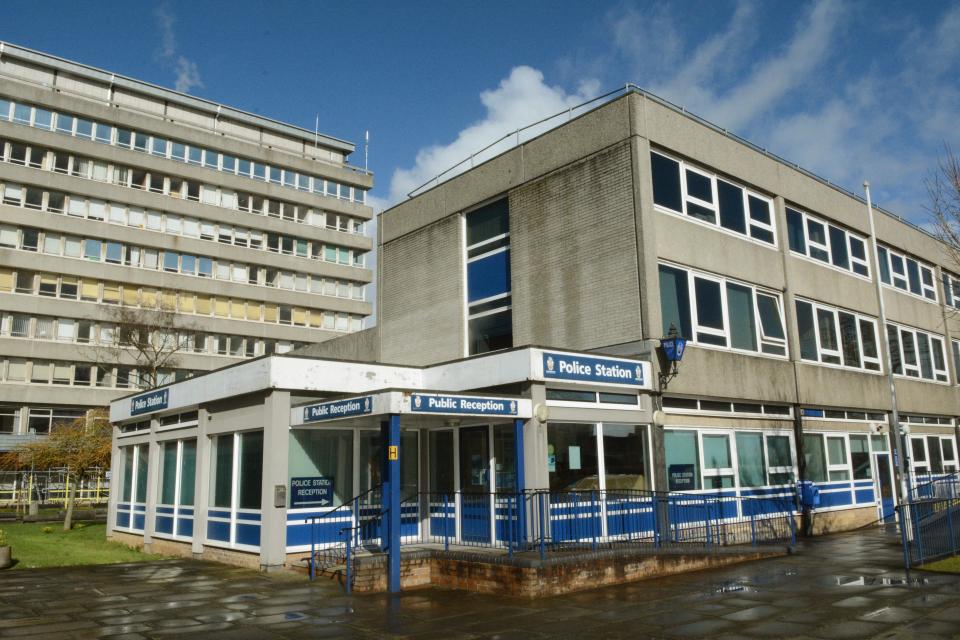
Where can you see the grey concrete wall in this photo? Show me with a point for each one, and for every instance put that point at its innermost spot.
(362, 345)
(421, 297)
(574, 255)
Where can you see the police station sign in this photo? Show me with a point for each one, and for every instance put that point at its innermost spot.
(338, 409)
(580, 368)
(315, 491)
(149, 402)
(467, 405)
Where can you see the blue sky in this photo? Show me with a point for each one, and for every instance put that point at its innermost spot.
(849, 90)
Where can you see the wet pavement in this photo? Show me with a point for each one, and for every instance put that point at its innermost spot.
(844, 586)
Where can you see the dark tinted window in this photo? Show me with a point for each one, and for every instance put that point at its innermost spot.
(666, 182)
(731, 207)
(488, 222)
(838, 248)
(795, 231)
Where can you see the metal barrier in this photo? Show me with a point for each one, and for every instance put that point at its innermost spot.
(49, 487)
(940, 487)
(930, 529)
(554, 522)
(334, 545)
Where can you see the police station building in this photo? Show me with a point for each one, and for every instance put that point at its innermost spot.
(519, 347)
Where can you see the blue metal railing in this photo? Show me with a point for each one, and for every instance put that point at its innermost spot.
(337, 547)
(936, 487)
(929, 529)
(559, 521)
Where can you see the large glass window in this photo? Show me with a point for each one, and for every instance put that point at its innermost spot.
(836, 337)
(223, 471)
(827, 243)
(442, 478)
(489, 315)
(717, 462)
(815, 458)
(251, 470)
(624, 457)
(683, 460)
(715, 311)
(860, 457)
(750, 460)
(685, 189)
(328, 453)
(572, 457)
(917, 354)
(903, 272)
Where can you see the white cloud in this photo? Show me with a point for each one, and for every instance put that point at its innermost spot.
(522, 98)
(187, 72)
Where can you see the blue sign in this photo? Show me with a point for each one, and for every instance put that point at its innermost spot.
(338, 409)
(682, 477)
(315, 491)
(431, 403)
(149, 402)
(562, 366)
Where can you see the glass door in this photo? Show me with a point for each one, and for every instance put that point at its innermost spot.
(884, 485)
(475, 502)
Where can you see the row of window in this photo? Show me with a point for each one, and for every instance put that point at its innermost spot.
(839, 457)
(110, 252)
(83, 374)
(719, 312)
(174, 186)
(710, 459)
(827, 243)
(90, 332)
(682, 188)
(39, 419)
(86, 129)
(723, 406)
(30, 197)
(933, 454)
(115, 293)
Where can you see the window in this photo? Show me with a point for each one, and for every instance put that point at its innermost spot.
(236, 486)
(683, 460)
(684, 189)
(815, 238)
(951, 290)
(709, 310)
(907, 274)
(490, 319)
(813, 453)
(916, 354)
(837, 337)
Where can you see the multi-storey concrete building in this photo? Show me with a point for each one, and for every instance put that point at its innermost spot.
(604, 232)
(543, 279)
(121, 194)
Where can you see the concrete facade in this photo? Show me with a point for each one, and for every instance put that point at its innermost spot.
(257, 245)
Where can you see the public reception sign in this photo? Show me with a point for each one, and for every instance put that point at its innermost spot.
(149, 402)
(338, 409)
(466, 405)
(314, 491)
(580, 368)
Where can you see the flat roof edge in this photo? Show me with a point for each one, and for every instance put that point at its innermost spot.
(201, 104)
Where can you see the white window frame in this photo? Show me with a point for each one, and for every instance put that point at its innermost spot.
(932, 339)
(905, 276)
(838, 353)
(849, 236)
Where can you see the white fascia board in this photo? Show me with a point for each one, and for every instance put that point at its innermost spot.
(478, 373)
(224, 383)
(331, 376)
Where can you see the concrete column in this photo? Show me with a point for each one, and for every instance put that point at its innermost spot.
(518, 433)
(116, 479)
(153, 482)
(201, 498)
(276, 443)
(535, 474)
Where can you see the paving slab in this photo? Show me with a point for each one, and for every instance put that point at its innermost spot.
(842, 586)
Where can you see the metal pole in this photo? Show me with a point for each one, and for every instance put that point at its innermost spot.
(392, 502)
(895, 413)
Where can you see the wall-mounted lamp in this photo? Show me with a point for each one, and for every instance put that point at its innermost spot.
(672, 346)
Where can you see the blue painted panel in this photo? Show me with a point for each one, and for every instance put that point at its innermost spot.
(123, 505)
(164, 509)
(764, 506)
(865, 495)
(838, 499)
(488, 276)
(138, 521)
(186, 511)
(630, 518)
(325, 532)
(164, 524)
(218, 514)
(248, 534)
(185, 527)
(140, 508)
(218, 531)
(123, 519)
(475, 518)
(248, 516)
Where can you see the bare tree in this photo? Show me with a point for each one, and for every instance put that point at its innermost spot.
(81, 446)
(944, 189)
(149, 340)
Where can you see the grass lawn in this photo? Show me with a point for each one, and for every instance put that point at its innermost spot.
(33, 548)
(947, 565)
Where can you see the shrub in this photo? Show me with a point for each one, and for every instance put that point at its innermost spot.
(47, 529)
(79, 525)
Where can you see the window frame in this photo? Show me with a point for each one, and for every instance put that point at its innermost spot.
(859, 318)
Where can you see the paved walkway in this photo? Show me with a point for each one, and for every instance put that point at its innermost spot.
(845, 586)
